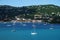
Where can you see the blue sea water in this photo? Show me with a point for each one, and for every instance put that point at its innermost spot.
(24, 30)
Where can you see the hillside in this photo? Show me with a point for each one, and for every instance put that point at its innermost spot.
(10, 12)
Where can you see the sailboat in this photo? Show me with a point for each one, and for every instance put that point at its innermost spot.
(34, 29)
(13, 27)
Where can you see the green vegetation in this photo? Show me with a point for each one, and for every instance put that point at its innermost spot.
(9, 12)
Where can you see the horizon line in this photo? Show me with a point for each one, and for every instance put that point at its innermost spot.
(29, 5)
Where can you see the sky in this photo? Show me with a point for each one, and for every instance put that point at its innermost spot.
(29, 2)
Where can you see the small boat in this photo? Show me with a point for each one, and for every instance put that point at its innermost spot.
(33, 33)
(51, 28)
(13, 30)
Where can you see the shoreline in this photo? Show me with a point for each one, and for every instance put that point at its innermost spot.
(30, 21)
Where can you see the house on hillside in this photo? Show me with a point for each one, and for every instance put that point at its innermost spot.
(38, 17)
